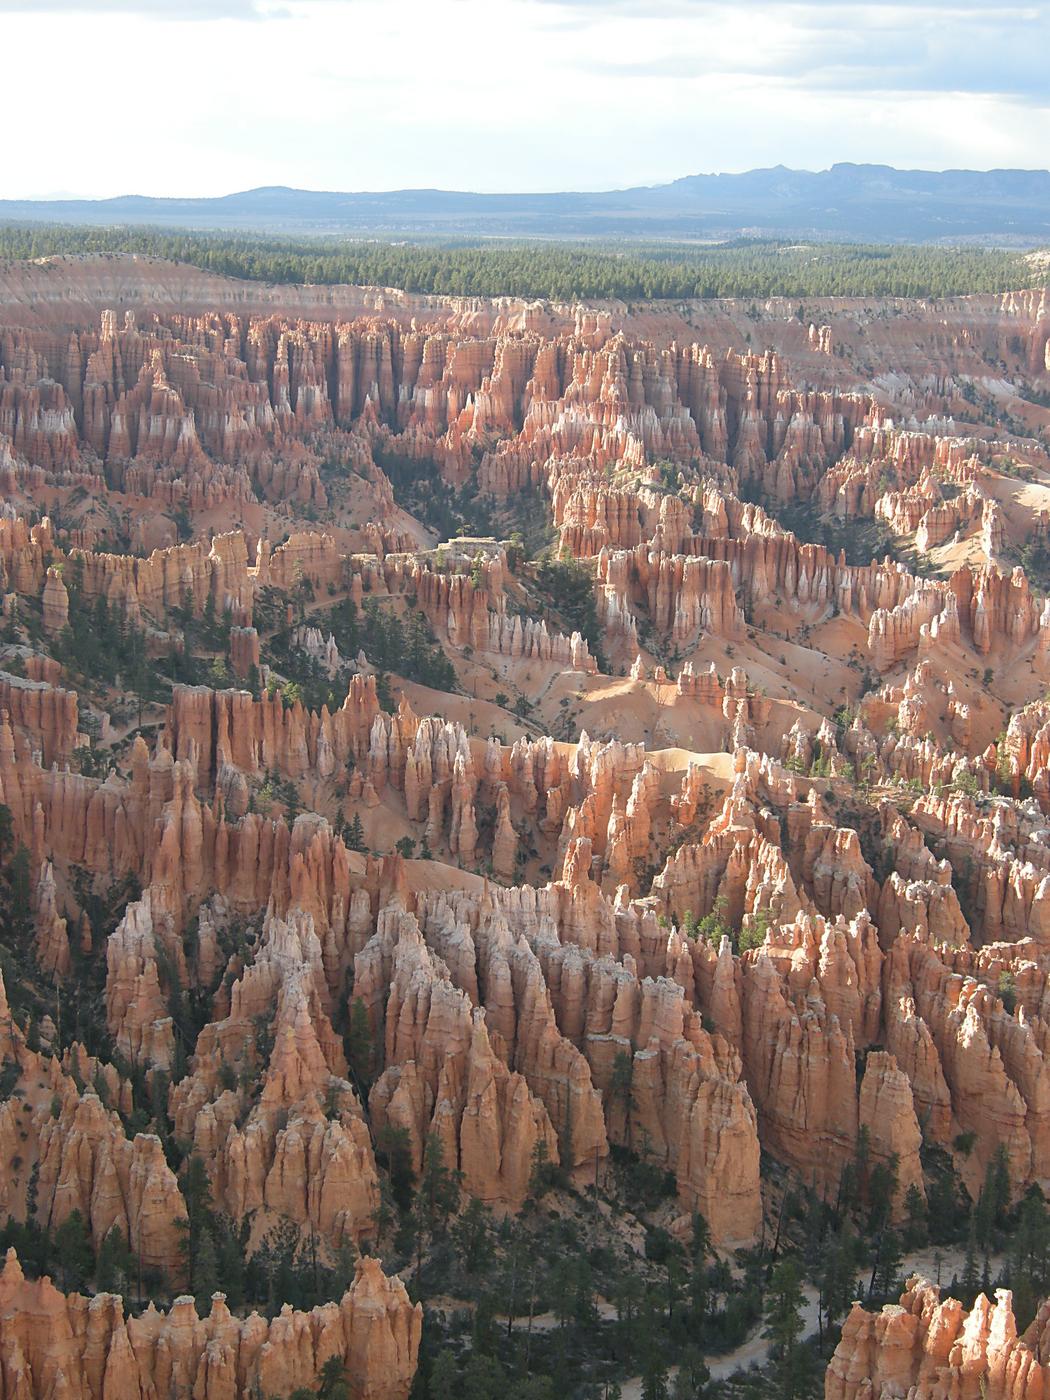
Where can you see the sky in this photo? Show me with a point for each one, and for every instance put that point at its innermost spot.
(204, 97)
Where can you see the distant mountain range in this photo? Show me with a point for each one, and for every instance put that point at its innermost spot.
(874, 203)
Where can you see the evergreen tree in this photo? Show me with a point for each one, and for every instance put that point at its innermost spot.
(560, 272)
(627, 1296)
(1032, 1240)
(483, 1379)
(621, 1082)
(332, 1383)
(360, 1047)
(837, 1279)
(113, 1267)
(916, 1231)
(444, 1377)
(783, 1318)
(943, 1207)
(205, 1270)
(886, 1272)
(994, 1200)
(698, 1275)
(563, 1292)
(473, 1238)
(394, 1150)
(1026, 1300)
(970, 1278)
(862, 1162)
(437, 1197)
(1000, 1184)
(693, 1378)
(543, 1172)
(882, 1188)
(654, 1377)
(18, 906)
(484, 1332)
(76, 1258)
(675, 1278)
(355, 836)
(196, 1192)
(231, 1242)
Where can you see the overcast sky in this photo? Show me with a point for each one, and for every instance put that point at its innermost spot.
(184, 97)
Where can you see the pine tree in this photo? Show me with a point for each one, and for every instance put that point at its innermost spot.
(73, 1249)
(332, 1383)
(1033, 1237)
(439, 1187)
(1000, 1184)
(698, 1280)
(355, 836)
(675, 1277)
(541, 1176)
(437, 1196)
(622, 1080)
(395, 1153)
(483, 1378)
(360, 1045)
(231, 1243)
(882, 1188)
(444, 1381)
(783, 1318)
(205, 1270)
(916, 1234)
(693, 1378)
(484, 1331)
(970, 1278)
(943, 1207)
(196, 1191)
(473, 1238)
(993, 1200)
(1026, 1300)
(838, 1278)
(700, 1242)
(114, 1262)
(654, 1377)
(862, 1161)
(886, 1274)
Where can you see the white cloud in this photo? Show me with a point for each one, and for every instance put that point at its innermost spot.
(877, 47)
(153, 9)
(148, 96)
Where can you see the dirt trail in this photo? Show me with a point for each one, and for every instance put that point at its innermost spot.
(938, 1265)
(934, 1264)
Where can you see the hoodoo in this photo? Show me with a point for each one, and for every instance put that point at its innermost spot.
(524, 839)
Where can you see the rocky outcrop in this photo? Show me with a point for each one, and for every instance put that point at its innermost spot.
(47, 714)
(88, 1164)
(55, 603)
(443, 1076)
(811, 910)
(300, 1149)
(936, 1348)
(52, 1343)
(887, 1112)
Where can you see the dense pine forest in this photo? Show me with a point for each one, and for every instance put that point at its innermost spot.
(559, 271)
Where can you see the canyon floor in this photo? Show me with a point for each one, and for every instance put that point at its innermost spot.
(524, 843)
